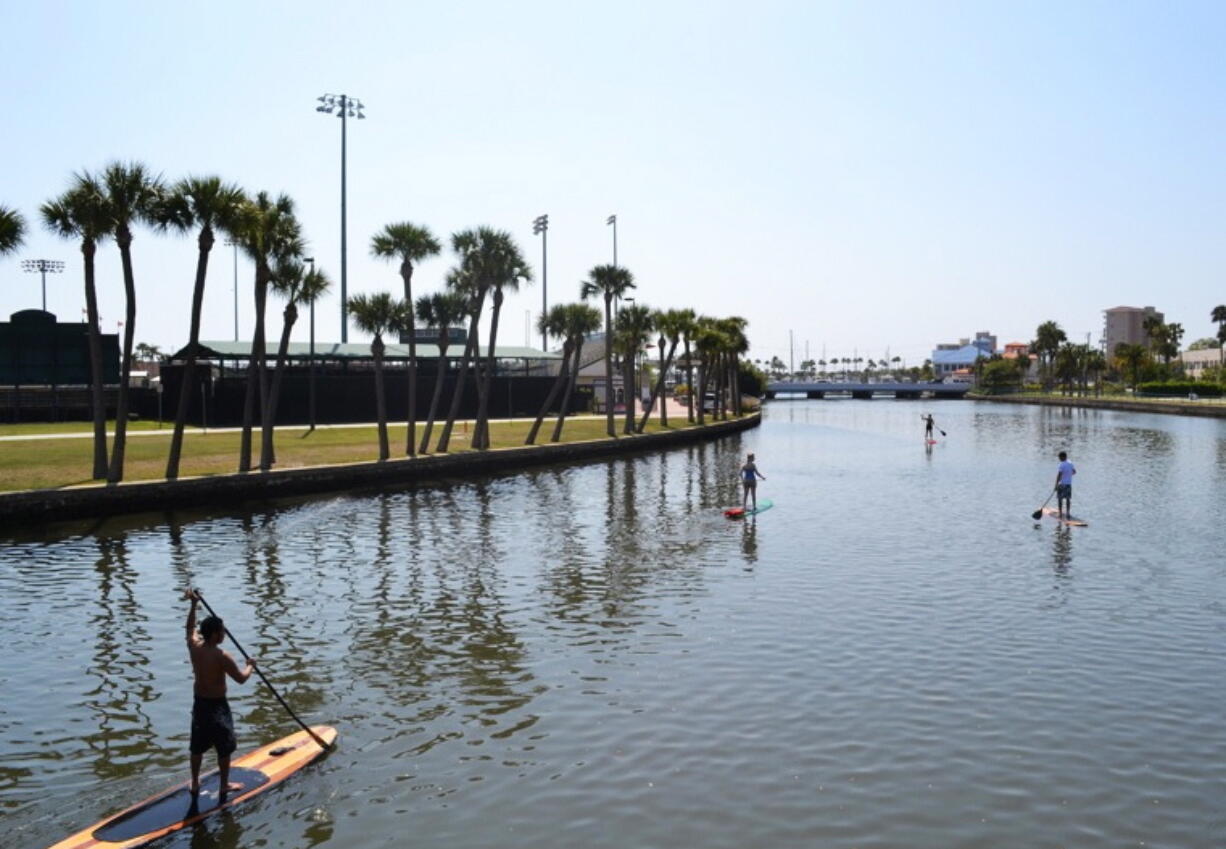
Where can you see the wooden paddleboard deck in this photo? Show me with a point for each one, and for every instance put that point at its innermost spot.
(257, 771)
(741, 512)
(1053, 513)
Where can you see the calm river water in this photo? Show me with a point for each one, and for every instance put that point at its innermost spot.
(896, 655)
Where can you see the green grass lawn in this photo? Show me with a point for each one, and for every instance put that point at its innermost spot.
(76, 427)
(54, 463)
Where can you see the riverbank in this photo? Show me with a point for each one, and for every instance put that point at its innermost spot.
(98, 501)
(1172, 406)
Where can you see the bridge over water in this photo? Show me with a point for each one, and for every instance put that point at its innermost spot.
(820, 389)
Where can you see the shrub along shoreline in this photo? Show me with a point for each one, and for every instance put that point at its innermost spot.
(45, 506)
(1165, 406)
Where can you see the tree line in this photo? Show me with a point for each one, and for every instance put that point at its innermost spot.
(1075, 368)
(111, 203)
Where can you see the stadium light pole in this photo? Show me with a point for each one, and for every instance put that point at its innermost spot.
(540, 227)
(42, 266)
(344, 107)
(233, 243)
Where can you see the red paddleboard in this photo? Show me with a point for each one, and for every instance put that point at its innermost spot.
(741, 512)
(172, 809)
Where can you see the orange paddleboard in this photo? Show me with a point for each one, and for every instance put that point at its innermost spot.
(1054, 514)
(172, 810)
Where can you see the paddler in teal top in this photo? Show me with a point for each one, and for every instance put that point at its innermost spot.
(749, 479)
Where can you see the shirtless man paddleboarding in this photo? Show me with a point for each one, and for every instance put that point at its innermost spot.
(212, 724)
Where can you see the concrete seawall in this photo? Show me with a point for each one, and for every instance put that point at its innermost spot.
(1216, 411)
(87, 502)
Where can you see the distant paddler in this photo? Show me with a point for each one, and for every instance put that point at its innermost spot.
(212, 723)
(929, 424)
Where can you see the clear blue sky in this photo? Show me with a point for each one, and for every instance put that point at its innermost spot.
(863, 174)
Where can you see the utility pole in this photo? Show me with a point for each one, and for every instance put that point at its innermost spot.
(791, 363)
(233, 243)
(540, 226)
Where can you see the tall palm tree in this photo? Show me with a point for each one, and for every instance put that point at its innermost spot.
(733, 329)
(440, 310)
(707, 343)
(1219, 315)
(464, 283)
(1131, 358)
(483, 260)
(82, 213)
(610, 281)
(208, 204)
(269, 234)
(580, 322)
(506, 271)
(1047, 339)
(132, 193)
(298, 285)
(378, 314)
(12, 230)
(410, 243)
(670, 325)
(687, 320)
(553, 323)
(634, 326)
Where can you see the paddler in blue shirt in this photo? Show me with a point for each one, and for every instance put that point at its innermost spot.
(1064, 487)
(749, 479)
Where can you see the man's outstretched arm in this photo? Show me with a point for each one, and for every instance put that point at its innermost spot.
(191, 616)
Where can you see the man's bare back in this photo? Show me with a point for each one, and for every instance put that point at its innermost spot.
(211, 664)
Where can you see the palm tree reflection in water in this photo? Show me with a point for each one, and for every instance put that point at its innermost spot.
(124, 732)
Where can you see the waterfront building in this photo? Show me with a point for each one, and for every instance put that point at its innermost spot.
(1126, 325)
(1019, 350)
(957, 360)
(1195, 362)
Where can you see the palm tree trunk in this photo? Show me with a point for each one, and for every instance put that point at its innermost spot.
(734, 384)
(253, 375)
(189, 367)
(267, 450)
(697, 392)
(261, 344)
(89, 249)
(376, 348)
(608, 364)
(689, 377)
(471, 349)
(570, 388)
(658, 391)
(631, 392)
(481, 436)
(438, 392)
(562, 380)
(410, 440)
(115, 473)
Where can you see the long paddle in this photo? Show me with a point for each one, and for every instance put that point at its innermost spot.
(1038, 514)
(260, 672)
